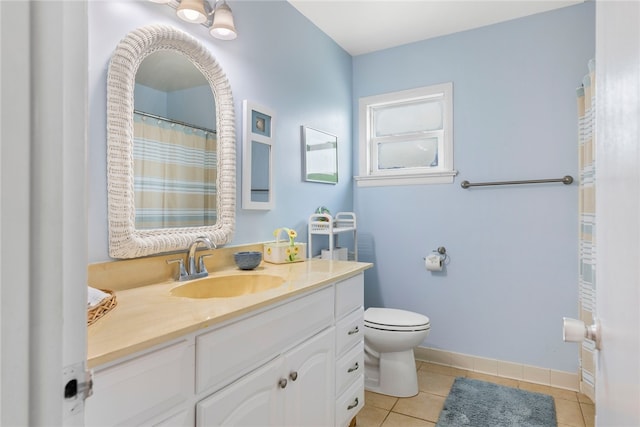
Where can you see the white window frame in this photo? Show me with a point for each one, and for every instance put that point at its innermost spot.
(442, 174)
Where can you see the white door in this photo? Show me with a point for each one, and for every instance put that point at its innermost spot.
(43, 235)
(618, 212)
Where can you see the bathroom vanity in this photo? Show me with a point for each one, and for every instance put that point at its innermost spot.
(292, 355)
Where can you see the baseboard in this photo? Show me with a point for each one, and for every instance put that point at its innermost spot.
(528, 373)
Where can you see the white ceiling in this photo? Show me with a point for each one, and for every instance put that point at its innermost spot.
(363, 26)
(167, 71)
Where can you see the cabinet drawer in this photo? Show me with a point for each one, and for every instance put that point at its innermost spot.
(135, 391)
(229, 352)
(349, 403)
(349, 295)
(349, 331)
(349, 367)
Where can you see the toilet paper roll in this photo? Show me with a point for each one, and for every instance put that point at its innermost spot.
(433, 263)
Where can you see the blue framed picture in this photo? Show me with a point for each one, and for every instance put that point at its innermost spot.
(260, 123)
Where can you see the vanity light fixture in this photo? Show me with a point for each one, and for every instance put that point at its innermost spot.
(192, 11)
(222, 27)
(218, 17)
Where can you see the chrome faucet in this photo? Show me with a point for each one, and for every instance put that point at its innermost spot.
(191, 272)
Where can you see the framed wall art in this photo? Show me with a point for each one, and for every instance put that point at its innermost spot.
(257, 157)
(320, 156)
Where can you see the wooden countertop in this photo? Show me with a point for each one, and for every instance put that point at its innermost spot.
(149, 315)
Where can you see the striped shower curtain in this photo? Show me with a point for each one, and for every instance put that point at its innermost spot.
(174, 174)
(587, 221)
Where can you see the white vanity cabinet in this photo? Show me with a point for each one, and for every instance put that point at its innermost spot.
(297, 362)
(295, 389)
(349, 314)
(300, 337)
(144, 390)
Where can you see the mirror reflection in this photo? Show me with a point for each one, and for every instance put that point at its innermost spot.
(175, 144)
(320, 163)
(260, 173)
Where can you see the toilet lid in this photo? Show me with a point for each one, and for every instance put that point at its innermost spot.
(391, 318)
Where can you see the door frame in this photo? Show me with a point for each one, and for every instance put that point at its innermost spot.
(43, 234)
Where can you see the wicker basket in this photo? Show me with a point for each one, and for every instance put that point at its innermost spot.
(106, 305)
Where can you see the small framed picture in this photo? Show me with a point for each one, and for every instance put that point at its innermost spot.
(260, 123)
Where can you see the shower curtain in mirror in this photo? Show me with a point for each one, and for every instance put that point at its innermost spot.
(174, 174)
(587, 222)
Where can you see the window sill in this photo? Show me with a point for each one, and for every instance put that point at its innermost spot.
(445, 177)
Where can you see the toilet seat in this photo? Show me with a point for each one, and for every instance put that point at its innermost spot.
(390, 319)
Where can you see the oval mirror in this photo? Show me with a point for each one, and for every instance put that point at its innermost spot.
(171, 144)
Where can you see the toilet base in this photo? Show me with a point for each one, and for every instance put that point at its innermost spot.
(394, 375)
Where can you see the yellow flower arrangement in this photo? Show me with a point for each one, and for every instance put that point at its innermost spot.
(285, 249)
(293, 250)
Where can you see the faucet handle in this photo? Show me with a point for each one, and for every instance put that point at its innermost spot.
(201, 267)
(180, 261)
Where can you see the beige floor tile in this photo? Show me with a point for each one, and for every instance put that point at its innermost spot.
(432, 382)
(442, 369)
(370, 416)
(493, 379)
(573, 409)
(425, 406)
(552, 391)
(583, 398)
(569, 412)
(399, 420)
(588, 413)
(381, 401)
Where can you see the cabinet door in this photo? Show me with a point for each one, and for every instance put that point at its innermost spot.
(254, 400)
(143, 388)
(310, 372)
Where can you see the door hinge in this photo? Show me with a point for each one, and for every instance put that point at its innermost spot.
(78, 385)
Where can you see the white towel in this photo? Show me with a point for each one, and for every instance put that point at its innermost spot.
(95, 297)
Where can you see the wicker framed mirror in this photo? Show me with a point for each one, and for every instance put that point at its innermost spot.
(126, 239)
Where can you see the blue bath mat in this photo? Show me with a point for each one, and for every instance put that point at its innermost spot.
(480, 404)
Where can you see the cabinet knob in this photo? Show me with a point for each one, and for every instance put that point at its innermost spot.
(293, 375)
(353, 368)
(353, 405)
(354, 331)
(282, 383)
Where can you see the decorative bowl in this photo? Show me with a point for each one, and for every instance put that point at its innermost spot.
(247, 260)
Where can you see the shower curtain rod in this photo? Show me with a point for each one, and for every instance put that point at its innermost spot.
(178, 122)
(567, 179)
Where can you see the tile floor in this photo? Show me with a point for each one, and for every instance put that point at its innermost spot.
(572, 409)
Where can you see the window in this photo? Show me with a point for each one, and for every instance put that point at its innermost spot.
(407, 137)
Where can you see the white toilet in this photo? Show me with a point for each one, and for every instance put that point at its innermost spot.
(389, 338)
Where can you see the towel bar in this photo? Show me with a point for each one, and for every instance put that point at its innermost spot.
(567, 179)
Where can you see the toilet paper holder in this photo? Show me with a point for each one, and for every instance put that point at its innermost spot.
(437, 260)
(442, 252)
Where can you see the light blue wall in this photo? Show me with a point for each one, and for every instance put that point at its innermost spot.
(150, 100)
(279, 60)
(194, 106)
(513, 268)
